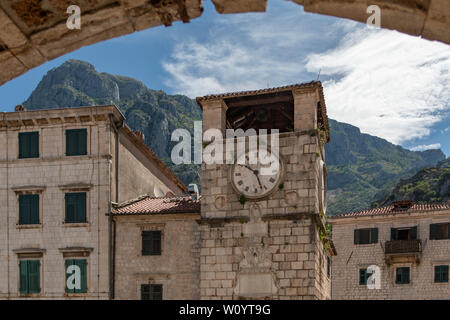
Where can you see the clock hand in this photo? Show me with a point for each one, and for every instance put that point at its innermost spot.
(255, 172)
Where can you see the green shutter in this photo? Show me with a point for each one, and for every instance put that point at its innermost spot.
(433, 231)
(414, 233)
(70, 208)
(81, 207)
(356, 236)
(83, 269)
(34, 209)
(147, 238)
(448, 230)
(34, 276)
(28, 209)
(28, 145)
(393, 234)
(76, 142)
(374, 235)
(23, 271)
(68, 263)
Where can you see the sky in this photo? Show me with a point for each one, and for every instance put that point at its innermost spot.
(387, 83)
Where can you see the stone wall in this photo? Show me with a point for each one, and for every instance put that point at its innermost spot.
(177, 268)
(352, 257)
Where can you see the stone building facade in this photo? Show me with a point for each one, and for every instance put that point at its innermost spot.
(270, 245)
(173, 264)
(60, 170)
(401, 251)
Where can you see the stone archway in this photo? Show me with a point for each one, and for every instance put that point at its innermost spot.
(35, 31)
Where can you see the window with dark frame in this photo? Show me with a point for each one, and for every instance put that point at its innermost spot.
(28, 209)
(151, 243)
(151, 291)
(364, 276)
(441, 274)
(28, 145)
(439, 231)
(402, 275)
(76, 142)
(366, 236)
(75, 203)
(29, 274)
(82, 265)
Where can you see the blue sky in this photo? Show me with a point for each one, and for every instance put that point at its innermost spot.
(388, 84)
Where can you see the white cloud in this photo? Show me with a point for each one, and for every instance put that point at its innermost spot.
(388, 84)
(426, 147)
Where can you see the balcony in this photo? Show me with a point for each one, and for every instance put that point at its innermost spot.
(403, 251)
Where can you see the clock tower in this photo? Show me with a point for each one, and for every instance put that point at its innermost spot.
(263, 217)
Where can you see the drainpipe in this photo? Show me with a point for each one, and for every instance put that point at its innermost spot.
(7, 210)
(112, 223)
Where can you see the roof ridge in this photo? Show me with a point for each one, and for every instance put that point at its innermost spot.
(383, 210)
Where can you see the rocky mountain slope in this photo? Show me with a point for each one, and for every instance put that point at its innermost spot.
(431, 184)
(361, 167)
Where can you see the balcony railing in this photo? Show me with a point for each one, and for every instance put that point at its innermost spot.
(403, 246)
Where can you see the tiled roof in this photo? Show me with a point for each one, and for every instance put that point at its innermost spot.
(157, 205)
(391, 209)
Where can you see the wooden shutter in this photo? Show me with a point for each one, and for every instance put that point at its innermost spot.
(145, 292)
(67, 264)
(147, 241)
(80, 215)
(356, 236)
(70, 208)
(34, 144)
(405, 275)
(156, 246)
(82, 264)
(374, 235)
(433, 231)
(414, 233)
(24, 209)
(22, 145)
(34, 276)
(448, 230)
(393, 234)
(156, 292)
(34, 209)
(82, 142)
(23, 271)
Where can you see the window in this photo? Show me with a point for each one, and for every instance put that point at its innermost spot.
(151, 243)
(402, 275)
(151, 291)
(441, 274)
(366, 236)
(364, 276)
(409, 233)
(28, 145)
(28, 209)
(29, 276)
(76, 142)
(439, 231)
(76, 276)
(75, 207)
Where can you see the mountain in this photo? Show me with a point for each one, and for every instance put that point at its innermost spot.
(430, 184)
(360, 167)
(76, 83)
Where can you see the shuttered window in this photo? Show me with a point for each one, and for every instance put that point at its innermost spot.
(366, 236)
(76, 275)
(151, 291)
(28, 209)
(364, 276)
(151, 243)
(75, 207)
(439, 231)
(402, 275)
(29, 276)
(441, 274)
(76, 142)
(28, 145)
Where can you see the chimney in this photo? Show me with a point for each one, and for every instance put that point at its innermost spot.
(140, 135)
(19, 108)
(193, 191)
(403, 204)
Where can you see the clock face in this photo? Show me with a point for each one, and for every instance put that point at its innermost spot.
(259, 178)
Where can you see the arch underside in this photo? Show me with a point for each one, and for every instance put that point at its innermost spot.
(35, 31)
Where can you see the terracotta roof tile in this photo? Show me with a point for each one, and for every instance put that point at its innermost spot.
(387, 210)
(154, 205)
